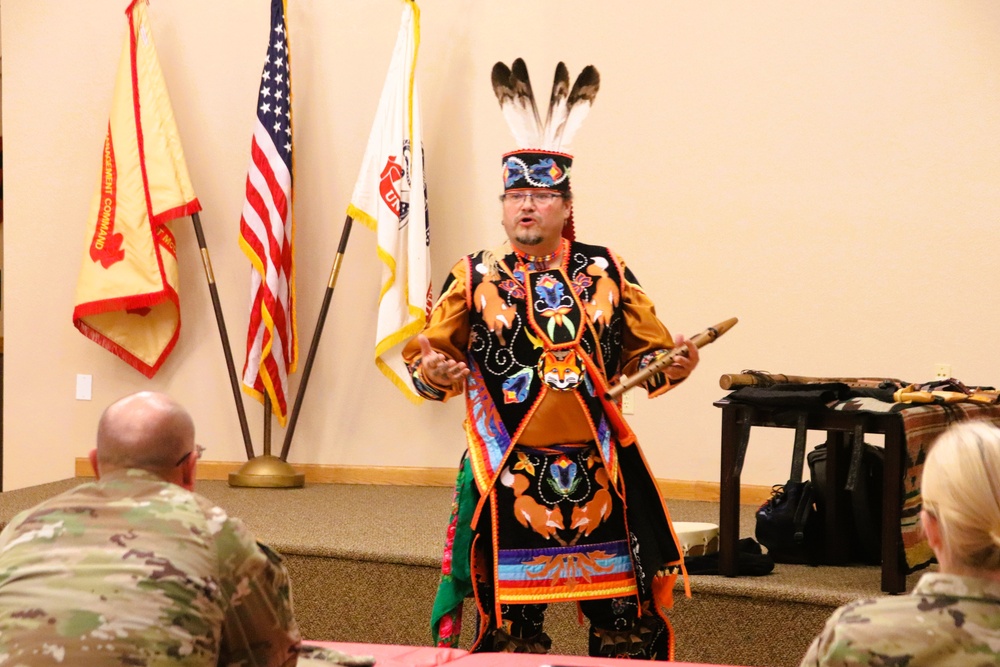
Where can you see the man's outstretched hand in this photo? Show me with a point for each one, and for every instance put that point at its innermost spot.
(439, 369)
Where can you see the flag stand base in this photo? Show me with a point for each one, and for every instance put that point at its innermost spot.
(267, 472)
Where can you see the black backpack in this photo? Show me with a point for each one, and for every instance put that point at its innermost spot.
(789, 525)
(860, 496)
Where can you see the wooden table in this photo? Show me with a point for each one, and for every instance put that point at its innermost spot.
(738, 418)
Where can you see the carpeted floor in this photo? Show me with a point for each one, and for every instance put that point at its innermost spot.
(364, 565)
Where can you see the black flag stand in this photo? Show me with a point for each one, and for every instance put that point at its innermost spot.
(261, 471)
(320, 321)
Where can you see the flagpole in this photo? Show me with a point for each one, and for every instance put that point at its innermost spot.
(320, 321)
(267, 424)
(213, 290)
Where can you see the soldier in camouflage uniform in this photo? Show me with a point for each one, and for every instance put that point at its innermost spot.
(135, 568)
(952, 617)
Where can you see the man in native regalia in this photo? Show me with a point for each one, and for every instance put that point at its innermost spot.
(554, 501)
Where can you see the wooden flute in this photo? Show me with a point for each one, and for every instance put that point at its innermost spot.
(659, 363)
(763, 379)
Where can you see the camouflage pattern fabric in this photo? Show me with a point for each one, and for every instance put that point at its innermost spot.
(318, 655)
(133, 570)
(948, 621)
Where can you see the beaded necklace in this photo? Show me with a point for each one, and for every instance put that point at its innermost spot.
(537, 263)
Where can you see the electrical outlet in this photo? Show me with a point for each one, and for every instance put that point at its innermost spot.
(84, 386)
(628, 402)
(942, 371)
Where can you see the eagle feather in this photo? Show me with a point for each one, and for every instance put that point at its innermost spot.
(513, 90)
(580, 100)
(558, 107)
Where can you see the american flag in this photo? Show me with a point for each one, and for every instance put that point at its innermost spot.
(266, 230)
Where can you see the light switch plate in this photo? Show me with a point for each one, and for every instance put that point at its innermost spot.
(84, 387)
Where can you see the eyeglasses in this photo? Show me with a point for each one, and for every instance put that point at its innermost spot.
(197, 451)
(541, 198)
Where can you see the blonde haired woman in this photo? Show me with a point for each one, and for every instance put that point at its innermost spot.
(952, 617)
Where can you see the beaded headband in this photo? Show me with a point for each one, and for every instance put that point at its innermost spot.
(536, 169)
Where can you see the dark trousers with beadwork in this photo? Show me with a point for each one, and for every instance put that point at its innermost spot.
(616, 630)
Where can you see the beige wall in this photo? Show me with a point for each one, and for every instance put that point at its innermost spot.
(829, 172)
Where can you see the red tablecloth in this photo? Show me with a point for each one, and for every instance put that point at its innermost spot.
(528, 660)
(391, 655)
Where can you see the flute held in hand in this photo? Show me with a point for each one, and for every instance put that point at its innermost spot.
(659, 363)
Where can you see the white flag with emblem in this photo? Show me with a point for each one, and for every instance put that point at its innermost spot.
(390, 198)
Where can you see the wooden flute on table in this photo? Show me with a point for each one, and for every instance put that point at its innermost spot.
(762, 379)
(659, 363)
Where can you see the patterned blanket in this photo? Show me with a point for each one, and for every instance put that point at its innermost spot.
(921, 426)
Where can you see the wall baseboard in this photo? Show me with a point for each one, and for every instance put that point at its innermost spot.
(402, 476)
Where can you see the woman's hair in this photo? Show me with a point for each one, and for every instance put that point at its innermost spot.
(961, 487)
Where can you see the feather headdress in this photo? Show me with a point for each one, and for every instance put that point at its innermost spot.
(542, 161)
(567, 106)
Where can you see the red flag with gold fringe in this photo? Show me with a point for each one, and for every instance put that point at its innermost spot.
(126, 297)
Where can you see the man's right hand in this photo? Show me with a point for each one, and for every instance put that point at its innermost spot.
(439, 369)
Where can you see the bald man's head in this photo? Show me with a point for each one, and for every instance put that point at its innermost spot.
(147, 430)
